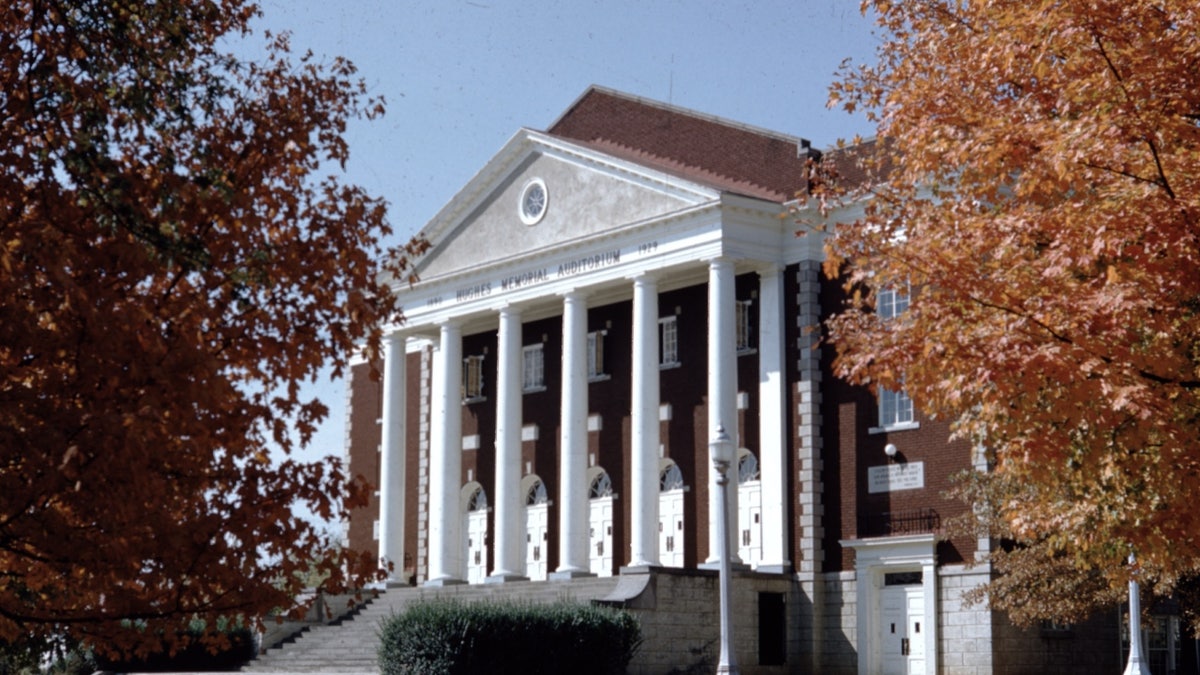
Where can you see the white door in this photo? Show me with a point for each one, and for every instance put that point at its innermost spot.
(670, 528)
(476, 546)
(902, 619)
(750, 523)
(536, 520)
(601, 535)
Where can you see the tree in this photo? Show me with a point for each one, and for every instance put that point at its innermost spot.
(172, 269)
(1036, 184)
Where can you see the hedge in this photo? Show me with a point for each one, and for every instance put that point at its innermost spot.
(447, 637)
(195, 656)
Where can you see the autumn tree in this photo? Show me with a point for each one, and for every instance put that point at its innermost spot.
(174, 264)
(1041, 208)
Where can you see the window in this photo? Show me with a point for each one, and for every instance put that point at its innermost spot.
(742, 317)
(472, 384)
(534, 368)
(895, 407)
(671, 478)
(890, 303)
(537, 494)
(595, 352)
(747, 468)
(668, 342)
(601, 486)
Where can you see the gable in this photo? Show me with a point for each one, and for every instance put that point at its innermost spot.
(589, 194)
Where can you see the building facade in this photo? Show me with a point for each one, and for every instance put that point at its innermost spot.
(597, 302)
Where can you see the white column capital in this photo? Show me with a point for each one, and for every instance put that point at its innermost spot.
(719, 260)
(768, 268)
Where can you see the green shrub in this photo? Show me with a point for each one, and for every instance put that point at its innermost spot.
(196, 656)
(451, 638)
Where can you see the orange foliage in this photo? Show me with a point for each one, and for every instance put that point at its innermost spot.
(171, 268)
(1043, 201)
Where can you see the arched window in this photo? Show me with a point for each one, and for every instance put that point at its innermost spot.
(671, 478)
(601, 486)
(747, 468)
(537, 494)
(478, 500)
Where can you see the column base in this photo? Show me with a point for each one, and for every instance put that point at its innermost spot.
(444, 581)
(567, 575)
(397, 583)
(784, 567)
(638, 569)
(504, 577)
(715, 565)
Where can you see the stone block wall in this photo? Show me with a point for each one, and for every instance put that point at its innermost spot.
(680, 619)
(965, 639)
(839, 619)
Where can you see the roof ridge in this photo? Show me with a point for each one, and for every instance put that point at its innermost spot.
(674, 162)
(800, 141)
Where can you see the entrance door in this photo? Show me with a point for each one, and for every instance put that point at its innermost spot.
(670, 516)
(536, 520)
(901, 619)
(476, 548)
(750, 523)
(749, 510)
(670, 528)
(601, 536)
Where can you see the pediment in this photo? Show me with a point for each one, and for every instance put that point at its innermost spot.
(587, 194)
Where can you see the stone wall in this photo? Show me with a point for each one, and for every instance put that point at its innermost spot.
(965, 640)
(679, 611)
(839, 618)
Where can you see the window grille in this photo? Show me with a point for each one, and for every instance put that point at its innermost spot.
(533, 367)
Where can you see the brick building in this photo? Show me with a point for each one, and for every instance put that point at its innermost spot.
(597, 300)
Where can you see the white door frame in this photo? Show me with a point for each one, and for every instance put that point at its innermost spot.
(875, 557)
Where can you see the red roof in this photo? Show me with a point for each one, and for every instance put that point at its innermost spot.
(725, 155)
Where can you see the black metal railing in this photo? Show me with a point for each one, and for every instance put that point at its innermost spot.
(912, 521)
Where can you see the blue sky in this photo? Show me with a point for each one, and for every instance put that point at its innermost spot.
(462, 76)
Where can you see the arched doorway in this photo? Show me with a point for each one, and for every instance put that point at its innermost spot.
(600, 552)
(475, 545)
(670, 514)
(749, 509)
(537, 520)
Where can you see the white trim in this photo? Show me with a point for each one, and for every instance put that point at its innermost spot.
(875, 557)
(533, 218)
(903, 426)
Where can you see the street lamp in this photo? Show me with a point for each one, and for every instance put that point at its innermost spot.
(720, 449)
(1135, 666)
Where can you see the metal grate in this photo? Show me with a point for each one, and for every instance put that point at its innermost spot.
(913, 521)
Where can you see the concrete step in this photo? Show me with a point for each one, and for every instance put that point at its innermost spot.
(351, 645)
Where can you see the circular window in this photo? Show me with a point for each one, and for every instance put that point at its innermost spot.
(534, 200)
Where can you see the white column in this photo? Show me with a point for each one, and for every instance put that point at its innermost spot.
(509, 561)
(391, 470)
(772, 420)
(722, 391)
(572, 462)
(445, 466)
(644, 424)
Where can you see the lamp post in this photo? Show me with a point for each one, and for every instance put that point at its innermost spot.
(720, 449)
(1135, 666)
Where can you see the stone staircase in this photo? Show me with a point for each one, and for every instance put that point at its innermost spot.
(350, 644)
